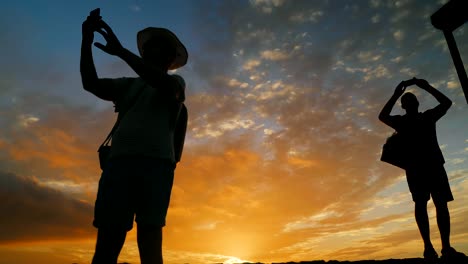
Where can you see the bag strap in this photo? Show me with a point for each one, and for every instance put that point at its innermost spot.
(116, 125)
(179, 132)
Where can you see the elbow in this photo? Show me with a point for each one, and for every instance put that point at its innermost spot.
(381, 117)
(89, 84)
(447, 103)
(90, 87)
(384, 118)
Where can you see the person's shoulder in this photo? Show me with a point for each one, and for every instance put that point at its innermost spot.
(178, 87)
(128, 84)
(123, 79)
(398, 117)
(406, 118)
(118, 80)
(434, 114)
(178, 78)
(132, 80)
(175, 81)
(124, 83)
(399, 120)
(166, 80)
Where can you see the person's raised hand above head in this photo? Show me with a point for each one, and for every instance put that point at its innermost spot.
(400, 89)
(87, 29)
(113, 45)
(89, 26)
(410, 82)
(421, 83)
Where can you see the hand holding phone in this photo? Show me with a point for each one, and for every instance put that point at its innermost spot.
(89, 25)
(95, 14)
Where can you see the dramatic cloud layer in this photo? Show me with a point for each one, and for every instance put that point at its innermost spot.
(30, 211)
(281, 161)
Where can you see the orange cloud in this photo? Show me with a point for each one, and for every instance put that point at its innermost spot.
(31, 212)
(303, 163)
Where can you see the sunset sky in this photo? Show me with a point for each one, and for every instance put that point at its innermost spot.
(281, 161)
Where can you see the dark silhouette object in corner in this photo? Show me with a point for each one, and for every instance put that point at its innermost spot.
(147, 142)
(448, 18)
(424, 162)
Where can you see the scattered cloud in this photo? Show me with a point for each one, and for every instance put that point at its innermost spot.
(399, 35)
(54, 214)
(267, 6)
(397, 59)
(281, 160)
(309, 16)
(26, 120)
(452, 85)
(368, 56)
(376, 18)
(251, 64)
(274, 55)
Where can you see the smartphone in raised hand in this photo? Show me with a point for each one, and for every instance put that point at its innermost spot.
(95, 14)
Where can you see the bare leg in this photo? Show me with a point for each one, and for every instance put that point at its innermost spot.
(108, 245)
(443, 221)
(420, 213)
(149, 240)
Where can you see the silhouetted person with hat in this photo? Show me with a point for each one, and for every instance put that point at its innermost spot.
(425, 171)
(137, 179)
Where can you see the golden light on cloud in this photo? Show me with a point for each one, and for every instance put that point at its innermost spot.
(281, 161)
(54, 145)
(27, 120)
(304, 163)
(251, 64)
(274, 55)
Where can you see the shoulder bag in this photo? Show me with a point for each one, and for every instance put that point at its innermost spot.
(393, 151)
(105, 148)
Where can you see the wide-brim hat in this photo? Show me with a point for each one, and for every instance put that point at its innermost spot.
(152, 32)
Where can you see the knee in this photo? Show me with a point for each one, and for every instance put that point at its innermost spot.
(112, 233)
(149, 232)
(441, 206)
(153, 229)
(420, 205)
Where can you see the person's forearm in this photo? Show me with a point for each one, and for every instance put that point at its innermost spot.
(89, 76)
(150, 75)
(440, 97)
(387, 109)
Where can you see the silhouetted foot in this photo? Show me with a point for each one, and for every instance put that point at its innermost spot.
(451, 256)
(430, 255)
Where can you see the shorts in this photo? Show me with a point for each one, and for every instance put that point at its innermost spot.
(134, 186)
(427, 181)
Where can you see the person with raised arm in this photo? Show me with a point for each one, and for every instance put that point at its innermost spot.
(137, 177)
(425, 172)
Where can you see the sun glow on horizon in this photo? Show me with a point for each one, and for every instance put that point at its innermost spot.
(282, 156)
(234, 260)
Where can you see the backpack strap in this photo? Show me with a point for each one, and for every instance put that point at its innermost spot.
(120, 117)
(180, 131)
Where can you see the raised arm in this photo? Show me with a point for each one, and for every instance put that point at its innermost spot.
(445, 102)
(152, 75)
(384, 115)
(89, 78)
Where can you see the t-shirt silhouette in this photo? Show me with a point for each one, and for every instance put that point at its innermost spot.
(146, 128)
(419, 134)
